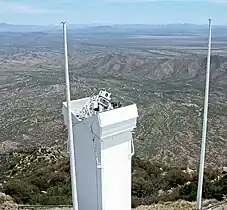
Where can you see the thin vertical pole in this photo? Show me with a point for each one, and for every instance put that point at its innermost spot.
(203, 146)
(70, 128)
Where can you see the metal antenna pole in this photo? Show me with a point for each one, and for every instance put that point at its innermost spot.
(203, 146)
(70, 128)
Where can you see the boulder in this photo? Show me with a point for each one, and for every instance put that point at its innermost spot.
(6, 202)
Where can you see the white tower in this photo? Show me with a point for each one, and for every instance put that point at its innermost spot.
(103, 148)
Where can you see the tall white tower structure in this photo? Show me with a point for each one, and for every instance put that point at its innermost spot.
(103, 147)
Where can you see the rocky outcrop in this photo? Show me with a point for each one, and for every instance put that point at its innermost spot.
(177, 205)
(6, 202)
(26, 162)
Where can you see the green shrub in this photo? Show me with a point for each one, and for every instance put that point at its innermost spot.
(135, 202)
(147, 179)
(175, 177)
(57, 195)
(20, 190)
(42, 182)
(45, 199)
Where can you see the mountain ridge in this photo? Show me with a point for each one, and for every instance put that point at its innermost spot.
(168, 92)
(146, 29)
(186, 68)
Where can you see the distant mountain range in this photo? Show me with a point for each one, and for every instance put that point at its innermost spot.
(127, 29)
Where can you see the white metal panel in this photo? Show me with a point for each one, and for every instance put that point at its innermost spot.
(118, 115)
(104, 141)
(115, 129)
(76, 105)
(116, 173)
(88, 188)
(117, 121)
(65, 111)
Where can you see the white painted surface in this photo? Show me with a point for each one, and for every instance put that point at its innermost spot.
(116, 173)
(86, 170)
(118, 115)
(70, 129)
(103, 157)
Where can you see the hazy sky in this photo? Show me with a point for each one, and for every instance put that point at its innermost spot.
(113, 11)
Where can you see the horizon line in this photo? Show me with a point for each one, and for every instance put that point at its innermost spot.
(112, 24)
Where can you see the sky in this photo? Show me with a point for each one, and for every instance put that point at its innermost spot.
(45, 12)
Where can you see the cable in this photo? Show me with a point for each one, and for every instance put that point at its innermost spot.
(95, 133)
(98, 166)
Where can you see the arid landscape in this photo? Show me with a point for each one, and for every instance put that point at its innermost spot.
(164, 74)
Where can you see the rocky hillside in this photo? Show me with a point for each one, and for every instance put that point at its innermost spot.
(186, 68)
(169, 94)
(42, 176)
(36, 176)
